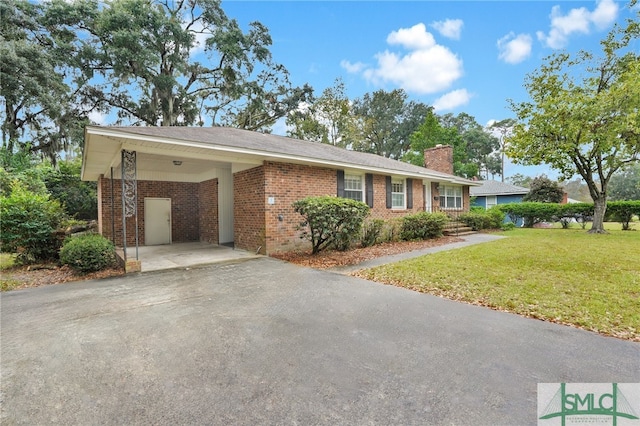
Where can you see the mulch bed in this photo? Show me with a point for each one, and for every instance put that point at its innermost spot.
(39, 275)
(330, 259)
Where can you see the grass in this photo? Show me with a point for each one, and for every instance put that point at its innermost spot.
(7, 261)
(560, 275)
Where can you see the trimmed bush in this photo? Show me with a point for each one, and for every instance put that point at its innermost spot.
(28, 225)
(623, 212)
(483, 219)
(531, 213)
(88, 253)
(330, 221)
(580, 212)
(423, 225)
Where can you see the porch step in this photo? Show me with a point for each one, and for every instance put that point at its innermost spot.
(458, 229)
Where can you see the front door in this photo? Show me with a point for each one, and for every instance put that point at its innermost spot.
(157, 221)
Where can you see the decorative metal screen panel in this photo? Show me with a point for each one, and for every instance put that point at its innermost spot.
(129, 183)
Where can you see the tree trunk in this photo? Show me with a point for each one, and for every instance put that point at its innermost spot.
(600, 207)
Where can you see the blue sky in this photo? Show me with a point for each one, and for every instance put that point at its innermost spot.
(458, 56)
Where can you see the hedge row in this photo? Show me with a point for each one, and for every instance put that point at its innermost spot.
(532, 213)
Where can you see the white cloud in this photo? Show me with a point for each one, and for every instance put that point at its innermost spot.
(452, 100)
(450, 28)
(415, 37)
(352, 68)
(427, 68)
(577, 21)
(514, 49)
(605, 14)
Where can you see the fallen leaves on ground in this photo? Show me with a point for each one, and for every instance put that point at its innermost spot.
(38, 275)
(330, 259)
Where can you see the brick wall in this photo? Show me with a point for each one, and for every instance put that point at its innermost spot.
(184, 202)
(287, 183)
(439, 158)
(249, 209)
(208, 211)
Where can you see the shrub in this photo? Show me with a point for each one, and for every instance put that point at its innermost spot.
(88, 253)
(28, 225)
(423, 225)
(483, 219)
(580, 212)
(508, 226)
(330, 221)
(392, 230)
(78, 198)
(372, 232)
(623, 212)
(532, 213)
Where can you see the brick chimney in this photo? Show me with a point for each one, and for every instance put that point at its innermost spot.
(439, 158)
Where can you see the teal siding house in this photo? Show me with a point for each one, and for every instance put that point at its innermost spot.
(491, 193)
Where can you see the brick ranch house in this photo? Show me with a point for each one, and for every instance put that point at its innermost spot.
(231, 186)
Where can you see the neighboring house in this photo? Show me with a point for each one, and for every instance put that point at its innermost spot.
(491, 193)
(232, 186)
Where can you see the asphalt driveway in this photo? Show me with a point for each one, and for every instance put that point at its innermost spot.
(266, 342)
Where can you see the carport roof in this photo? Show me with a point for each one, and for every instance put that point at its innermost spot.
(229, 145)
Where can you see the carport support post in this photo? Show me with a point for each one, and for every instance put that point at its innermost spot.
(113, 212)
(129, 196)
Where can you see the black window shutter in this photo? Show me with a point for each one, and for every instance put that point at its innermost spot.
(340, 176)
(388, 180)
(409, 193)
(368, 183)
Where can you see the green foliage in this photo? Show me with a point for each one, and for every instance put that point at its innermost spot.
(583, 117)
(544, 190)
(483, 219)
(531, 213)
(423, 225)
(625, 185)
(88, 253)
(384, 121)
(78, 198)
(330, 221)
(372, 232)
(29, 221)
(473, 148)
(580, 212)
(508, 226)
(520, 180)
(623, 212)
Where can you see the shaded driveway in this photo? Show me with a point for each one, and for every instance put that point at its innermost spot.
(266, 342)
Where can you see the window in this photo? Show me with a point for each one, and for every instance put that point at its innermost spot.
(353, 187)
(397, 194)
(492, 201)
(450, 197)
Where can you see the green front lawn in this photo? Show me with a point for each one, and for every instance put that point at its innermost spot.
(561, 275)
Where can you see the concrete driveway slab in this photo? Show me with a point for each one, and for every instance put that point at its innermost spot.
(266, 342)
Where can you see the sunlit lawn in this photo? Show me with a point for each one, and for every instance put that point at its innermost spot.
(560, 275)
